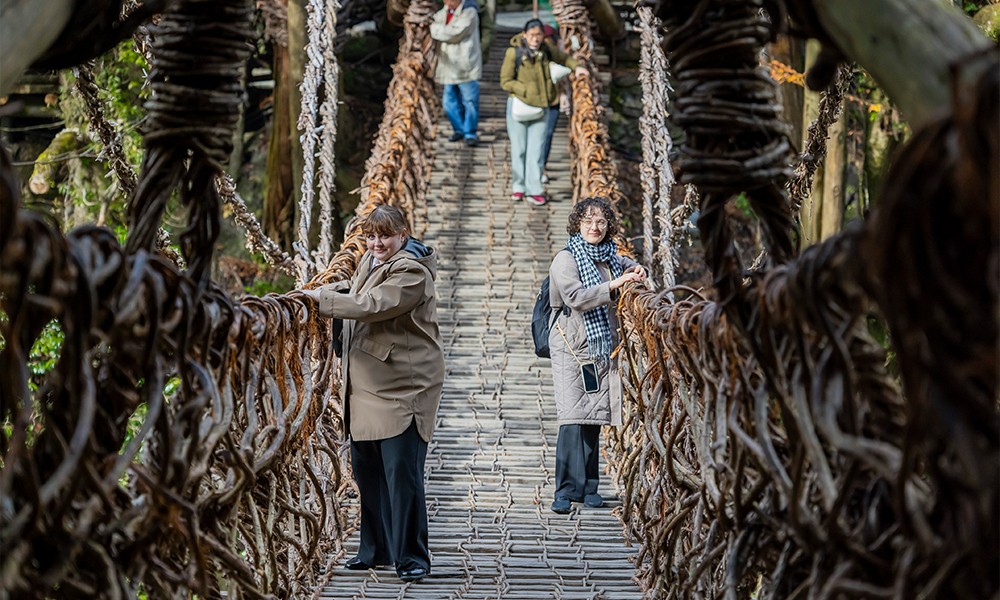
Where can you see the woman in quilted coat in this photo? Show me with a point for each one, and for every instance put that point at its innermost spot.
(584, 282)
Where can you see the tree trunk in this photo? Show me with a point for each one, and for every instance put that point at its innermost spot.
(908, 46)
(27, 29)
(809, 214)
(834, 174)
(279, 205)
(879, 146)
(791, 52)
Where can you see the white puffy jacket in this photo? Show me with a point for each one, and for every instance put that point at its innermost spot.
(460, 58)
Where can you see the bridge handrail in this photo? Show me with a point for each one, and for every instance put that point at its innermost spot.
(242, 479)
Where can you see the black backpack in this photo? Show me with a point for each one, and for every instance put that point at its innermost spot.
(541, 320)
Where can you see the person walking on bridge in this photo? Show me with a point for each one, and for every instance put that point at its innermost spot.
(526, 75)
(583, 292)
(393, 373)
(460, 65)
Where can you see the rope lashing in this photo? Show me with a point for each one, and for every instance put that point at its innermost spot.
(736, 140)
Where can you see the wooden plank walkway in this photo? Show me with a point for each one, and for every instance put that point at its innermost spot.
(491, 465)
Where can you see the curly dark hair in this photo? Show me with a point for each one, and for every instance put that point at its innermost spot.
(599, 202)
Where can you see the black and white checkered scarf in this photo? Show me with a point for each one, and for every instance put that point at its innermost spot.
(596, 320)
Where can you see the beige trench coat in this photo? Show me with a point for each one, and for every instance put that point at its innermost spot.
(573, 405)
(393, 361)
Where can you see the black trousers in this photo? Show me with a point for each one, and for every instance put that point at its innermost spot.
(390, 478)
(577, 453)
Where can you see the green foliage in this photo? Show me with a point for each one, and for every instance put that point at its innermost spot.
(45, 352)
(82, 181)
(262, 288)
(743, 203)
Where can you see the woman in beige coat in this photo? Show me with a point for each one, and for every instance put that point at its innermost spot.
(393, 372)
(583, 291)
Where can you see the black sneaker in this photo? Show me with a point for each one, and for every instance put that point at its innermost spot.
(562, 506)
(593, 500)
(455, 137)
(471, 142)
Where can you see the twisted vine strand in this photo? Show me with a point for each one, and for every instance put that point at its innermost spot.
(328, 113)
(309, 88)
(658, 175)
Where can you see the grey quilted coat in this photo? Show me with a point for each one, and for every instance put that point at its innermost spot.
(573, 405)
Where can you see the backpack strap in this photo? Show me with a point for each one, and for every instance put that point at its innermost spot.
(564, 310)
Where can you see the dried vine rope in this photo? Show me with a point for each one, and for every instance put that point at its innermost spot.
(328, 113)
(97, 119)
(831, 105)
(397, 172)
(112, 150)
(307, 125)
(779, 452)
(239, 468)
(736, 140)
(593, 171)
(657, 174)
(257, 240)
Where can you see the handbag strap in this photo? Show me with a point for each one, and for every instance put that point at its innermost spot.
(567, 344)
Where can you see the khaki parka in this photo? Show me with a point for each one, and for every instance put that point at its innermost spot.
(532, 82)
(573, 405)
(393, 360)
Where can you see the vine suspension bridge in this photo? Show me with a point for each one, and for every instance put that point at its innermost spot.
(765, 447)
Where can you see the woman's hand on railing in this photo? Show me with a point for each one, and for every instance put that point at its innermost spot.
(313, 294)
(636, 274)
(582, 72)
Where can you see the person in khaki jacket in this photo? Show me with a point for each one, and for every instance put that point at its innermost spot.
(525, 74)
(393, 371)
(584, 279)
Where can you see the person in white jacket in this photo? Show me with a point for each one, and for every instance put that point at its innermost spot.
(460, 65)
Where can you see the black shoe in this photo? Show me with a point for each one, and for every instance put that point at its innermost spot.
(356, 564)
(471, 142)
(414, 574)
(593, 500)
(455, 137)
(562, 506)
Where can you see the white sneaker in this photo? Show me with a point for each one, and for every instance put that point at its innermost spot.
(545, 178)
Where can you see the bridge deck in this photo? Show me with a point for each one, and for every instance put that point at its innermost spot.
(491, 466)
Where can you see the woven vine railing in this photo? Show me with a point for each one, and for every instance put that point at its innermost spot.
(233, 480)
(767, 449)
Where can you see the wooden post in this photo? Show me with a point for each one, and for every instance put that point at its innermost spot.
(534, 7)
(908, 46)
(27, 29)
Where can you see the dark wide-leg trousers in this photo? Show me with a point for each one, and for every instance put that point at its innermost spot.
(577, 454)
(390, 478)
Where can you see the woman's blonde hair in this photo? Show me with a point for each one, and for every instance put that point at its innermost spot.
(384, 220)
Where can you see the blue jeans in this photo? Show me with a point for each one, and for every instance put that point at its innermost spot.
(551, 120)
(461, 104)
(526, 142)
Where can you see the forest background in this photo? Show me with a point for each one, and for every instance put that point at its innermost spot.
(64, 171)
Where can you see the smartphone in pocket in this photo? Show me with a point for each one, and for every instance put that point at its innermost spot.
(590, 382)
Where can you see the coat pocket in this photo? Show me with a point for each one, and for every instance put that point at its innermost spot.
(375, 349)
